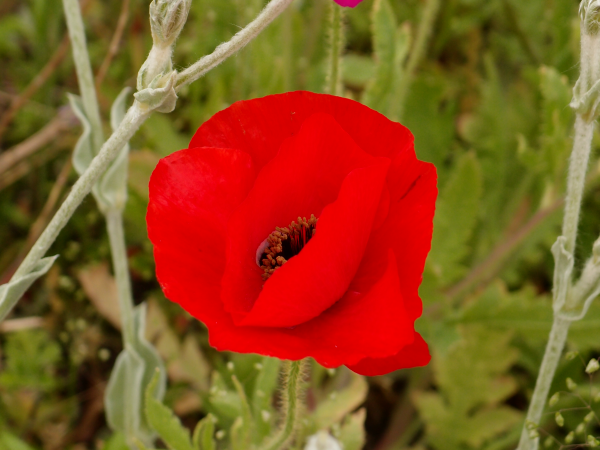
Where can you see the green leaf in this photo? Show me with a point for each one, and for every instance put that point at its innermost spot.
(390, 46)
(111, 189)
(352, 431)
(31, 357)
(11, 292)
(116, 442)
(112, 186)
(340, 402)
(9, 441)
(237, 435)
(455, 219)
(357, 70)
(203, 434)
(124, 396)
(430, 114)
(245, 420)
(447, 430)
(83, 153)
(225, 403)
(264, 387)
(468, 410)
(161, 418)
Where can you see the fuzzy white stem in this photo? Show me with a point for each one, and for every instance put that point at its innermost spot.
(130, 124)
(580, 155)
(239, 41)
(116, 235)
(554, 348)
(84, 70)
(582, 143)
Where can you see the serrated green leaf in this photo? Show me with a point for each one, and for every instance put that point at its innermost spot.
(264, 387)
(203, 434)
(447, 430)
(245, 421)
(163, 421)
(223, 402)
(30, 359)
(124, 397)
(11, 292)
(468, 410)
(390, 46)
(455, 219)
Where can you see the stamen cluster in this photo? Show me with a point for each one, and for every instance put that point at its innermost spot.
(286, 242)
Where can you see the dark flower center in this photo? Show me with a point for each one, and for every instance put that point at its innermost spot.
(284, 243)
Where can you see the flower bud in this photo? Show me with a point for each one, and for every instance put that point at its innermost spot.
(569, 437)
(592, 366)
(167, 18)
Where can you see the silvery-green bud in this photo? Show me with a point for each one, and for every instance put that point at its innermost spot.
(167, 18)
(589, 11)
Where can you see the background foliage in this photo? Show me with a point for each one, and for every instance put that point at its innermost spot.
(487, 105)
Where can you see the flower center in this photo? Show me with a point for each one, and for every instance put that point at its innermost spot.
(284, 243)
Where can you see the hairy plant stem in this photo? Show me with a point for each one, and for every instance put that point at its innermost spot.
(273, 9)
(83, 68)
(578, 162)
(336, 44)
(136, 115)
(133, 119)
(554, 348)
(293, 395)
(118, 250)
(114, 216)
(418, 51)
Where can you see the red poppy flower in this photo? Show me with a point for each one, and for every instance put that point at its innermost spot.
(350, 3)
(298, 225)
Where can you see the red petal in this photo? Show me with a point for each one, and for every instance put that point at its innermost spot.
(260, 126)
(413, 355)
(320, 274)
(374, 323)
(304, 177)
(192, 194)
(407, 229)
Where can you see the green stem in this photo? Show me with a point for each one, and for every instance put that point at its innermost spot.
(84, 70)
(116, 236)
(293, 393)
(418, 51)
(336, 44)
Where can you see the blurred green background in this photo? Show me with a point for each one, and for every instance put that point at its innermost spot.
(488, 104)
